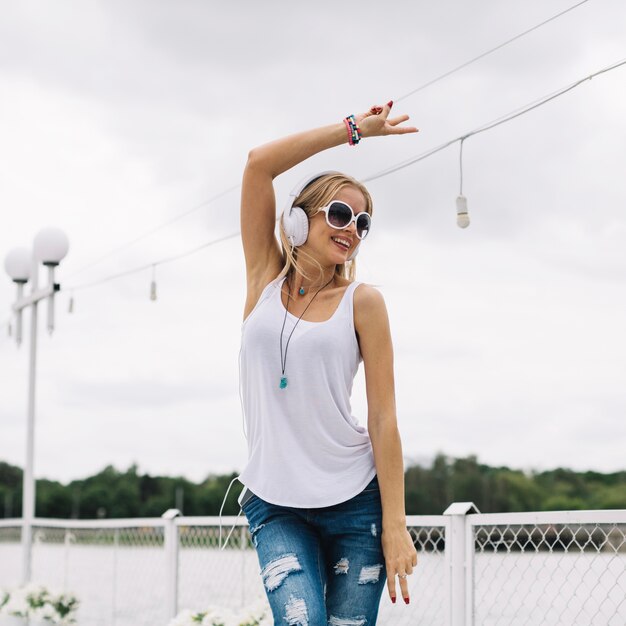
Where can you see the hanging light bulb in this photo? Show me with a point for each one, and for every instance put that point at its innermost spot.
(153, 295)
(462, 216)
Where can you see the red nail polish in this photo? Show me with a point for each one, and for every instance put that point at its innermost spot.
(393, 599)
(406, 600)
(390, 103)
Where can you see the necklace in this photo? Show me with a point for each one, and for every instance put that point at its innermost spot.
(283, 361)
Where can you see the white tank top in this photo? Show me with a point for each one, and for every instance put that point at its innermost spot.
(305, 448)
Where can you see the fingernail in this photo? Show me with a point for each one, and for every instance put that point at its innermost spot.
(393, 599)
(390, 103)
(406, 600)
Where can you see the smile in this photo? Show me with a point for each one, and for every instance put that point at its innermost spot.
(344, 243)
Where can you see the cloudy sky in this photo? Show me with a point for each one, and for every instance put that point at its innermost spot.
(117, 117)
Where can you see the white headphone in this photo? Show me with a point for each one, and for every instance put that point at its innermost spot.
(295, 220)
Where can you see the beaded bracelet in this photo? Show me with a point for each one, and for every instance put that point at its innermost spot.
(349, 129)
(354, 132)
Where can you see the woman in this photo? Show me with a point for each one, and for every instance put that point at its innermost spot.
(324, 497)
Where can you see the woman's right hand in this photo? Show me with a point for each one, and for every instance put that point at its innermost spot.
(376, 122)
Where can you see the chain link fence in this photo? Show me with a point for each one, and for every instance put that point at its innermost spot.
(210, 576)
(428, 583)
(238, 581)
(515, 569)
(551, 569)
(115, 567)
(10, 552)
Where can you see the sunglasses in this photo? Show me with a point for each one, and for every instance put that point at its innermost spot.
(340, 215)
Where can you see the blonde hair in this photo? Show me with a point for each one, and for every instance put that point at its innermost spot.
(315, 195)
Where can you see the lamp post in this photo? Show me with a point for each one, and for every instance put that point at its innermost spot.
(49, 247)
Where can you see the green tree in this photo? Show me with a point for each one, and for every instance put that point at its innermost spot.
(53, 499)
(428, 490)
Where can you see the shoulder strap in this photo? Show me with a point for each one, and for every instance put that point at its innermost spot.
(350, 297)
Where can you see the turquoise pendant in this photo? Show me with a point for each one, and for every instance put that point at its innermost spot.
(301, 292)
(283, 382)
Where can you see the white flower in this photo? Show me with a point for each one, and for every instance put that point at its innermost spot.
(258, 613)
(45, 612)
(37, 594)
(66, 604)
(184, 618)
(37, 602)
(217, 616)
(17, 604)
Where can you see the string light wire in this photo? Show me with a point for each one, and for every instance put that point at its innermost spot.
(498, 121)
(461, 167)
(386, 172)
(489, 125)
(132, 242)
(488, 52)
(410, 93)
(153, 264)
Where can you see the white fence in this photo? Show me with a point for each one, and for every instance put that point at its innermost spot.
(515, 569)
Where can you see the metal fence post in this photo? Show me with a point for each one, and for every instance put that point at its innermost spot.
(116, 546)
(67, 540)
(242, 575)
(170, 547)
(456, 558)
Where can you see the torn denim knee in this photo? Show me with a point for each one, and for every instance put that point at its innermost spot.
(275, 572)
(346, 621)
(369, 574)
(296, 613)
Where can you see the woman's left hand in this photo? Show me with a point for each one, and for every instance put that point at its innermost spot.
(400, 558)
(376, 122)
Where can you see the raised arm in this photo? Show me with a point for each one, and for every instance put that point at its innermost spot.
(258, 203)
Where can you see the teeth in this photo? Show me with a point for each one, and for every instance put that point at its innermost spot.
(343, 242)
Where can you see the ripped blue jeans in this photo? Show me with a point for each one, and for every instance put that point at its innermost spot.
(321, 567)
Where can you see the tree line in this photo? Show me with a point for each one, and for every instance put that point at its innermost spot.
(428, 491)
